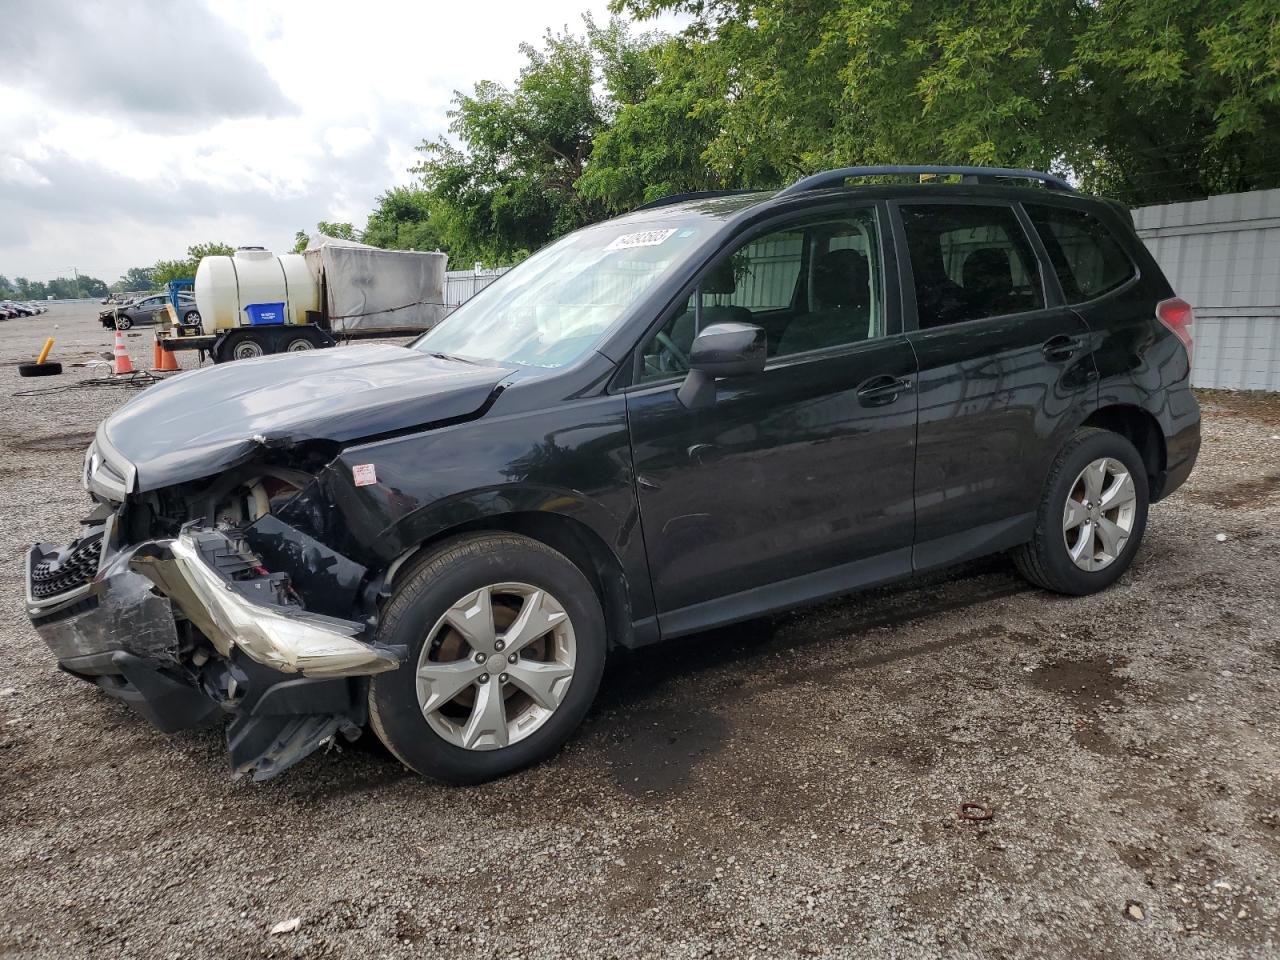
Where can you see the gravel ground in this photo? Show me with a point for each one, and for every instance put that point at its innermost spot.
(787, 788)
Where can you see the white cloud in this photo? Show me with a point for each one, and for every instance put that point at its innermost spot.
(242, 121)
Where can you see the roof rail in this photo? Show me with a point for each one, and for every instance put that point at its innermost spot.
(693, 195)
(835, 178)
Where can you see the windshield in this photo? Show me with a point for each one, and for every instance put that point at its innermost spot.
(554, 306)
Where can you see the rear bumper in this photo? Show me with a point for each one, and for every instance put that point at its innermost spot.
(1181, 451)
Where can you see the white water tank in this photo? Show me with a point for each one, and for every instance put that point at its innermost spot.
(254, 275)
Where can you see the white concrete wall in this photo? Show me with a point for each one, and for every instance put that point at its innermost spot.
(1222, 255)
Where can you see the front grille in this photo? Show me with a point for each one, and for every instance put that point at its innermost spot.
(70, 567)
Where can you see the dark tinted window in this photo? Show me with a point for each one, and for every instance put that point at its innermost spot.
(812, 286)
(1087, 258)
(970, 262)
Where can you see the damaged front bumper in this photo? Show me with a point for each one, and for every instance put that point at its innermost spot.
(283, 637)
(185, 629)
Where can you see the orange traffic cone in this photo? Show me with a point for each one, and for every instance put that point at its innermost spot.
(157, 355)
(167, 361)
(123, 363)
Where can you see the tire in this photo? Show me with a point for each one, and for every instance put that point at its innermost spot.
(49, 369)
(124, 322)
(248, 348)
(432, 743)
(191, 318)
(298, 344)
(1073, 551)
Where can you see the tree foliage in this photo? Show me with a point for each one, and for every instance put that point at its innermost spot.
(60, 288)
(134, 279)
(511, 181)
(1147, 100)
(166, 270)
(403, 220)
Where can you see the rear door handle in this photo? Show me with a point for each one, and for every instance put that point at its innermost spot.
(881, 391)
(1059, 348)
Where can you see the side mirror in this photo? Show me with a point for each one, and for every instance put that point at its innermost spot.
(721, 350)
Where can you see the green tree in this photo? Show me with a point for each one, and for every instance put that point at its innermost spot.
(402, 220)
(510, 184)
(343, 231)
(1149, 100)
(5, 286)
(134, 279)
(166, 270)
(670, 108)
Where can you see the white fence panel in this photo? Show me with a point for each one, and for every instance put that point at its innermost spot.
(1222, 255)
(461, 285)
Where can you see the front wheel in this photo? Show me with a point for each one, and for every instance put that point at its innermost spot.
(506, 644)
(124, 322)
(1091, 515)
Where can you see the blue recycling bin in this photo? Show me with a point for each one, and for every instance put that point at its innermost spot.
(261, 314)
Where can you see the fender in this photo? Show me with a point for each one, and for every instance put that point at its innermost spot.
(375, 502)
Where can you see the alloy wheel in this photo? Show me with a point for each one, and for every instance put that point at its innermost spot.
(1099, 514)
(496, 666)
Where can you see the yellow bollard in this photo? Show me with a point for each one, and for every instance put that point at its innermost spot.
(44, 354)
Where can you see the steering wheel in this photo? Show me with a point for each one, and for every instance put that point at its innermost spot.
(678, 356)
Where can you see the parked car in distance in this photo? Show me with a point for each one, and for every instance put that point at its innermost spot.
(710, 409)
(142, 311)
(10, 309)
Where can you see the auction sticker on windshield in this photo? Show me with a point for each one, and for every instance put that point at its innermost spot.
(645, 238)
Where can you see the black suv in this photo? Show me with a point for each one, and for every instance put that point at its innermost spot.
(712, 408)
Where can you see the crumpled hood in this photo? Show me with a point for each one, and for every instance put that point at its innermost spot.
(199, 423)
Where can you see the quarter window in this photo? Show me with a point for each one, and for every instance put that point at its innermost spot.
(811, 286)
(970, 262)
(1086, 256)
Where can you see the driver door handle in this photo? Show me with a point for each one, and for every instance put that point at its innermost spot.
(1059, 348)
(881, 391)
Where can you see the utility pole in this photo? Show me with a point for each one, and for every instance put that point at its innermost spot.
(77, 276)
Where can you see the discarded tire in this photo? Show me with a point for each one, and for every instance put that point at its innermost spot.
(39, 369)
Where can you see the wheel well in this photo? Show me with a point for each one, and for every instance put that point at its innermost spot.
(575, 540)
(1143, 431)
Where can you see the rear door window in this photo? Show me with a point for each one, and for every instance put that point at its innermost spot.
(970, 262)
(1086, 256)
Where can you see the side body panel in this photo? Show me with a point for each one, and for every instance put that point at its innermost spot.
(998, 396)
(786, 475)
(571, 459)
(993, 414)
(1140, 362)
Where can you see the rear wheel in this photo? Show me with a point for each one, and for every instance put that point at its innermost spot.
(246, 349)
(1091, 516)
(506, 646)
(299, 343)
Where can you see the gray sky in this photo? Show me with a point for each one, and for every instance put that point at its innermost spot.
(130, 129)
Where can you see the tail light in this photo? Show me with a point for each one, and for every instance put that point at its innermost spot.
(1176, 314)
